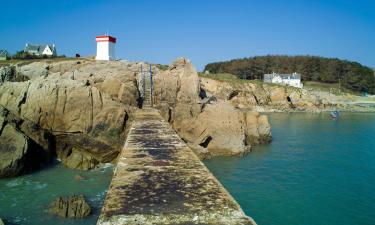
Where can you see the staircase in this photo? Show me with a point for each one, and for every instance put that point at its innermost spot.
(147, 95)
(148, 89)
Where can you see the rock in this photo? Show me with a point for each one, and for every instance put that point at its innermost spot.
(165, 111)
(18, 153)
(78, 159)
(218, 128)
(180, 83)
(302, 99)
(209, 126)
(5, 74)
(81, 110)
(260, 96)
(85, 113)
(258, 130)
(278, 96)
(32, 70)
(264, 129)
(244, 100)
(78, 178)
(189, 81)
(70, 207)
(252, 133)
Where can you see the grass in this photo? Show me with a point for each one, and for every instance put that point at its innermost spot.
(309, 85)
(226, 77)
(27, 61)
(233, 79)
(327, 87)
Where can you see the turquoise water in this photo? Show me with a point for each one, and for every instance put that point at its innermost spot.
(25, 200)
(317, 171)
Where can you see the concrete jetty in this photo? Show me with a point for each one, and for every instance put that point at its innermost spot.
(159, 180)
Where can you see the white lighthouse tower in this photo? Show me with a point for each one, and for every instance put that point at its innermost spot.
(105, 47)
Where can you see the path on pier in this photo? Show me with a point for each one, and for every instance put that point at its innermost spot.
(159, 180)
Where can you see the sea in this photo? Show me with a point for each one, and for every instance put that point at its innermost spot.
(316, 171)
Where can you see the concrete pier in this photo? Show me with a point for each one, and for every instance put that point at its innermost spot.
(159, 180)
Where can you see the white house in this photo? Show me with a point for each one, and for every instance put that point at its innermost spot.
(4, 55)
(293, 79)
(105, 47)
(49, 50)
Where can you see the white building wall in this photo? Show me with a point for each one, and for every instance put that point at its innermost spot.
(47, 51)
(105, 50)
(290, 82)
(294, 83)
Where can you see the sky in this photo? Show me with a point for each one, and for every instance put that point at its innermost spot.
(204, 31)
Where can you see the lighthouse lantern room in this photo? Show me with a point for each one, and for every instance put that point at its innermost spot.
(105, 47)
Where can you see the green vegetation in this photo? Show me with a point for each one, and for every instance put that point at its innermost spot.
(225, 77)
(27, 61)
(161, 66)
(26, 55)
(220, 76)
(333, 88)
(351, 75)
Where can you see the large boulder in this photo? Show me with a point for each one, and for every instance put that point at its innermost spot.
(258, 129)
(180, 83)
(18, 153)
(74, 207)
(6, 74)
(218, 128)
(302, 99)
(32, 70)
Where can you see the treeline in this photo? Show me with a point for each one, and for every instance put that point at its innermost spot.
(352, 75)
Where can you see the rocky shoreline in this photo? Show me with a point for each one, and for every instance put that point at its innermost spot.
(80, 111)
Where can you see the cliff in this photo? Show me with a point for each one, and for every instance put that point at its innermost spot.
(264, 97)
(80, 111)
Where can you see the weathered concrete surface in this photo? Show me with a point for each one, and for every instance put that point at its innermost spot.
(159, 180)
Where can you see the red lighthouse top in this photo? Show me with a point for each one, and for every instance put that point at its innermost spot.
(105, 38)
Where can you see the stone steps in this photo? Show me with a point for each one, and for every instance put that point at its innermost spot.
(147, 102)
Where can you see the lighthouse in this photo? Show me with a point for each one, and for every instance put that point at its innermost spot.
(105, 47)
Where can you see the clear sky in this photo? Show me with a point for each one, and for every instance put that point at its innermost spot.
(203, 30)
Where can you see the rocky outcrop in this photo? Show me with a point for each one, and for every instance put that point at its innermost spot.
(80, 110)
(258, 130)
(5, 74)
(262, 97)
(70, 207)
(76, 104)
(178, 84)
(219, 128)
(209, 127)
(20, 153)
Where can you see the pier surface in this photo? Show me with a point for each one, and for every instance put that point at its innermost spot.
(159, 180)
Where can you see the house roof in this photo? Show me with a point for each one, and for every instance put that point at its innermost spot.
(3, 53)
(268, 77)
(38, 48)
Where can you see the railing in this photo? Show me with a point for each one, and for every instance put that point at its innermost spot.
(148, 87)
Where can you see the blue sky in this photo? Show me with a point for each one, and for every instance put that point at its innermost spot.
(203, 30)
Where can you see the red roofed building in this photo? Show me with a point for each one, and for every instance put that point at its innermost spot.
(105, 47)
